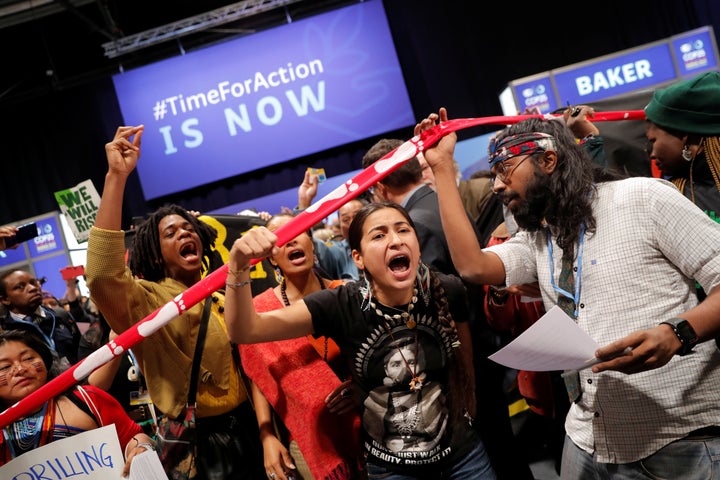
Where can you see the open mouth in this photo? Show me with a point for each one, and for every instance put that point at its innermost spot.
(399, 264)
(296, 257)
(189, 251)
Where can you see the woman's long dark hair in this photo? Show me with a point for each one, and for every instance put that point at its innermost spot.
(461, 391)
(572, 184)
(146, 259)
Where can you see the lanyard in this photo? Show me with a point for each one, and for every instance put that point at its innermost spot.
(576, 296)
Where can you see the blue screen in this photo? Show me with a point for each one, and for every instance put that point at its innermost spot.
(50, 239)
(266, 98)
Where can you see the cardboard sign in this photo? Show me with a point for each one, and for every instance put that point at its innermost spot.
(91, 455)
(79, 204)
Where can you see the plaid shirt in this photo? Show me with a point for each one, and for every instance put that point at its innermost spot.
(638, 269)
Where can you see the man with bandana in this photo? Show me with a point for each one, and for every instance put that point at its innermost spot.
(632, 247)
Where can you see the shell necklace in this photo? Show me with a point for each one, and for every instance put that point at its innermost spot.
(404, 316)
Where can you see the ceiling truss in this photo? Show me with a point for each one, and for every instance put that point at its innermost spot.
(191, 25)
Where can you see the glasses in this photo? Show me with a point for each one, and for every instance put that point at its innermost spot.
(503, 172)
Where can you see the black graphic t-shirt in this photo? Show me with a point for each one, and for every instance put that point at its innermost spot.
(403, 427)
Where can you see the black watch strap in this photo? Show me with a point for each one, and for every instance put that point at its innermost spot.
(684, 332)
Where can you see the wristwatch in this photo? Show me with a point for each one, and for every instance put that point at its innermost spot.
(685, 333)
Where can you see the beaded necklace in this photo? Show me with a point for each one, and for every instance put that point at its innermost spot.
(283, 294)
(29, 433)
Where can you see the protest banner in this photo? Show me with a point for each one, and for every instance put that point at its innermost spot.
(79, 204)
(91, 455)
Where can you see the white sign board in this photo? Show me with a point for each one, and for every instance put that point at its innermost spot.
(91, 455)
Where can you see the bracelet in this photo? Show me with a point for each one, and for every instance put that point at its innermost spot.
(238, 272)
(239, 284)
(146, 446)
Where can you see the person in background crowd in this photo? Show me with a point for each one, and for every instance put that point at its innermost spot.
(26, 364)
(346, 214)
(400, 299)
(168, 254)
(510, 311)
(21, 294)
(301, 379)
(475, 192)
(575, 219)
(334, 258)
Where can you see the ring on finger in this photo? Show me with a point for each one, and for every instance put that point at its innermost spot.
(272, 475)
(346, 393)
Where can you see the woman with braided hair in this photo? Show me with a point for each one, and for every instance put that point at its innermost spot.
(683, 130)
(401, 312)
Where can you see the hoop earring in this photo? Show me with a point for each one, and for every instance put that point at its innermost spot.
(686, 153)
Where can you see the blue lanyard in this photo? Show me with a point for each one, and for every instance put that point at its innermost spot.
(576, 297)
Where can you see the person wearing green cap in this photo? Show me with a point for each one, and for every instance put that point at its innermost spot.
(683, 130)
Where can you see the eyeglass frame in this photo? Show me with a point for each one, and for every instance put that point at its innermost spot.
(505, 174)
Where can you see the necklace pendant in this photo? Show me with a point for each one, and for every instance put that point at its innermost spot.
(411, 323)
(416, 384)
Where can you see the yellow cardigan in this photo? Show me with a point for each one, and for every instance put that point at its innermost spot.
(166, 356)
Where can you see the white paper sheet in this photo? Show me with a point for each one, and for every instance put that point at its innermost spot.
(147, 466)
(554, 342)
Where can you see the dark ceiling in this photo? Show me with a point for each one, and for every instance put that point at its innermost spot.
(56, 44)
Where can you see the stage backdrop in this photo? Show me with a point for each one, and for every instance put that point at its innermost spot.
(266, 98)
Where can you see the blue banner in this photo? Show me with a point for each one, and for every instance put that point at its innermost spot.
(266, 98)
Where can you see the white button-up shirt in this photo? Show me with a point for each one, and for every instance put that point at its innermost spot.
(638, 268)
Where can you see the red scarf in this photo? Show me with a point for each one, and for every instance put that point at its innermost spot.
(295, 380)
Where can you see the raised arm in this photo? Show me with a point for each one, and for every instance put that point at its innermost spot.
(122, 153)
(244, 324)
(471, 262)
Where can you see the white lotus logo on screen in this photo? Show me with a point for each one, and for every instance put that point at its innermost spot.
(540, 89)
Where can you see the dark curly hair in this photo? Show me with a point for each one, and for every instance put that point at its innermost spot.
(146, 259)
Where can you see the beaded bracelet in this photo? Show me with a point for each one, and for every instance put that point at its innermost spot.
(239, 284)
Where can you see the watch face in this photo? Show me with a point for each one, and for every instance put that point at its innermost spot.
(687, 333)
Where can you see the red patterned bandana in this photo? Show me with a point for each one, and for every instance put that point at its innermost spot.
(522, 144)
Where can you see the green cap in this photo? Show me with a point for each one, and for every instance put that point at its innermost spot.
(689, 106)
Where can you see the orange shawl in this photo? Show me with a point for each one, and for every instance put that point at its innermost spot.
(295, 380)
